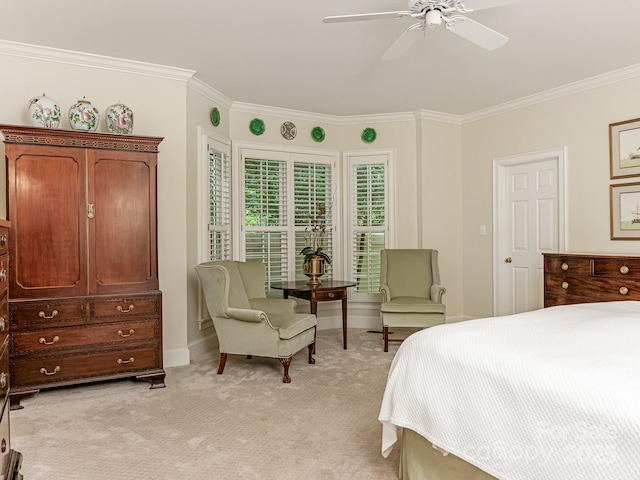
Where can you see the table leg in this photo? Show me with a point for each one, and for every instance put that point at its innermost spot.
(344, 322)
(314, 307)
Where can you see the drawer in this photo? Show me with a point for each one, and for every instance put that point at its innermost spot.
(623, 267)
(43, 314)
(4, 319)
(4, 240)
(123, 307)
(603, 289)
(4, 273)
(61, 369)
(567, 264)
(338, 294)
(5, 443)
(4, 372)
(71, 337)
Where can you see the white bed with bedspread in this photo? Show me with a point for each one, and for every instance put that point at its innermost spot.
(549, 394)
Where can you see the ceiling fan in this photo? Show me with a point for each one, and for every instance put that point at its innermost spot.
(432, 14)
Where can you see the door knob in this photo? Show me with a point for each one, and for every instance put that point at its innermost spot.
(507, 260)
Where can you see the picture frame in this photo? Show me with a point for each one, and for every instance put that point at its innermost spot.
(624, 148)
(625, 211)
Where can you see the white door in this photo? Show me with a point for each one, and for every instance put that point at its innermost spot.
(529, 221)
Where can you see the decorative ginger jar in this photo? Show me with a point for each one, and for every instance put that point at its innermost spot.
(44, 112)
(119, 119)
(84, 116)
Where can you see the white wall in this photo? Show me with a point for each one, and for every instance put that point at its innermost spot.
(159, 110)
(579, 121)
(443, 168)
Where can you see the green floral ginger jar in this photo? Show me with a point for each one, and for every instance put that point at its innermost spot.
(84, 116)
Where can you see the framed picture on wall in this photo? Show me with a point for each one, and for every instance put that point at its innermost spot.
(625, 211)
(624, 148)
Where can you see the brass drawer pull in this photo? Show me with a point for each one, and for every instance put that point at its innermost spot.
(3, 240)
(3, 380)
(624, 269)
(331, 295)
(123, 362)
(3, 324)
(122, 334)
(565, 285)
(43, 341)
(41, 314)
(623, 290)
(45, 372)
(3, 275)
(120, 309)
(565, 266)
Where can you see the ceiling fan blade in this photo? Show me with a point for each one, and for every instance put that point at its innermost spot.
(476, 32)
(367, 16)
(482, 4)
(402, 44)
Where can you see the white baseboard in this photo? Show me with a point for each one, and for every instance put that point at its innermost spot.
(176, 357)
(203, 345)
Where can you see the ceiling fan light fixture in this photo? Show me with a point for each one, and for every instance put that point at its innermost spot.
(433, 18)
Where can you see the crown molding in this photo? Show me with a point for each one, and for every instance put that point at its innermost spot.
(438, 116)
(36, 52)
(555, 93)
(209, 92)
(173, 73)
(254, 109)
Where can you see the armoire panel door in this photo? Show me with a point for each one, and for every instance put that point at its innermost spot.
(47, 209)
(122, 232)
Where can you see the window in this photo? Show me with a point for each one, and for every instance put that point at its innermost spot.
(217, 244)
(369, 188)
(280, 189)
(266, 216)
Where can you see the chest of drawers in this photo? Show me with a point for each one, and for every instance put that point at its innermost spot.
(10, 460)
(76, 340)
(584, 278)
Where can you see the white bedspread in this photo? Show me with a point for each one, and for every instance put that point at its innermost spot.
(552, 394)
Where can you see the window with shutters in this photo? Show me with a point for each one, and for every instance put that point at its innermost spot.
(369, 219)
(281, 189)
(218, 232)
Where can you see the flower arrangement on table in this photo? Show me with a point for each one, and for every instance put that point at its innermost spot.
(315, 235)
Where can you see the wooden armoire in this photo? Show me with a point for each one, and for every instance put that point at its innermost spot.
(84, 299)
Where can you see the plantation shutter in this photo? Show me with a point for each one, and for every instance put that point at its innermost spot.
(312, 187)
(265, 219)
(369, 216)
(219, 223)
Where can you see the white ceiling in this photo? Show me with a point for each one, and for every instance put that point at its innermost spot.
(279, 53)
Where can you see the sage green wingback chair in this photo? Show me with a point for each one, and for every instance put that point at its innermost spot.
(411, 290)
(249, 323)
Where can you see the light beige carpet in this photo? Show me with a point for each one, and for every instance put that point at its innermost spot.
(243, 424)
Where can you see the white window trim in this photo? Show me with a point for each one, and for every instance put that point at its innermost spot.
(349, 157)
(206, 138)
(223, 145)
(283, 153)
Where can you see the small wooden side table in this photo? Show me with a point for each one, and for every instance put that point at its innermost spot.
(327, 291)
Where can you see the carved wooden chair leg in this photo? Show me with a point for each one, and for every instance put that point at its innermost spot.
(386, 338)
(221, 364)
(285, 363)
(312, 349)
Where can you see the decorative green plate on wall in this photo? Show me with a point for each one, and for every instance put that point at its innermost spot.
(256, 126)
(317, 133)
(215, 117)
(368, 135)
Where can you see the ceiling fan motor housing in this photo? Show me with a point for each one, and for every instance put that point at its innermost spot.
(433, 18)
